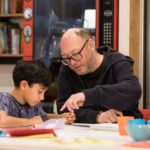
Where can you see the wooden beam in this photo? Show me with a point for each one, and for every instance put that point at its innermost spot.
(135, 33)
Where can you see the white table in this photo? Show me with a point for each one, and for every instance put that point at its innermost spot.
(70, 138)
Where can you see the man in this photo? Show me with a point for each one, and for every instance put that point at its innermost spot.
(100, 79)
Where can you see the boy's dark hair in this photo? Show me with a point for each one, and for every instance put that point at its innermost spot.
(33, 71)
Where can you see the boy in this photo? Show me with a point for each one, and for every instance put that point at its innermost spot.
(22, 107)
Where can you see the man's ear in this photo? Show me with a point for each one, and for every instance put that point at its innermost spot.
(23, 84)
(92, 44)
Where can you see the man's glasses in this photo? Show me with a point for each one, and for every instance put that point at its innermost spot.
(77, 56)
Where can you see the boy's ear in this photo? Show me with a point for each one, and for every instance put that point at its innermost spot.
(23, 84)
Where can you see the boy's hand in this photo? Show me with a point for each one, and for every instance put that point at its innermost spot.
(70, 117)
(37, 120)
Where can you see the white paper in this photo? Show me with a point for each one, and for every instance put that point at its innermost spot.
(90, 19)
(105, 126)
(52, 123)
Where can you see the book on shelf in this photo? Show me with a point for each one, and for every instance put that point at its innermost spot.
(3, 38)
(15, 41)
(11, 6)
(10, 38)
(14, 35)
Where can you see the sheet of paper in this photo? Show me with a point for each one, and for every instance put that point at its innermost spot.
(81, 124)
(90, 19)
(52, 123)
(105, 126)
(101, 126)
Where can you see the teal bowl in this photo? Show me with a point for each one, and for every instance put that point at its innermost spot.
(139, 132)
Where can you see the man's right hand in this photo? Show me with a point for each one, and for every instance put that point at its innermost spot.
(74, 102)
(109, 116)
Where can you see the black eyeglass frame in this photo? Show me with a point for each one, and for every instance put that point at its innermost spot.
(67, 61)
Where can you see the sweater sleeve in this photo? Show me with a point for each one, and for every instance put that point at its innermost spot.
(123, 95)
(65, 89)
(86, 115)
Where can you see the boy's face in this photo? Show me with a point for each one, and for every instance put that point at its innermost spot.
(33, 94)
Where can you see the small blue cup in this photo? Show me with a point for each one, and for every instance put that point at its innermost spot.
(136, 122)
(148, 122)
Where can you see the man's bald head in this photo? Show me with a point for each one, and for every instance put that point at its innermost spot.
(73, 33)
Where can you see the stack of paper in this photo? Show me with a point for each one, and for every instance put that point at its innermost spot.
(105, 126)
(101, 126)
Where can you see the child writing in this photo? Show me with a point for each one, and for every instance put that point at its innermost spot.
(22, 106)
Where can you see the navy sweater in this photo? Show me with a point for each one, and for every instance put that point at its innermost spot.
(116, 88)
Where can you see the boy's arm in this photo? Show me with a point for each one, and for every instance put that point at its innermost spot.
(69, 117)
(10, 121)
(50, 116)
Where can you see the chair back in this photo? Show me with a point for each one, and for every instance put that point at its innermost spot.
(146, 114)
